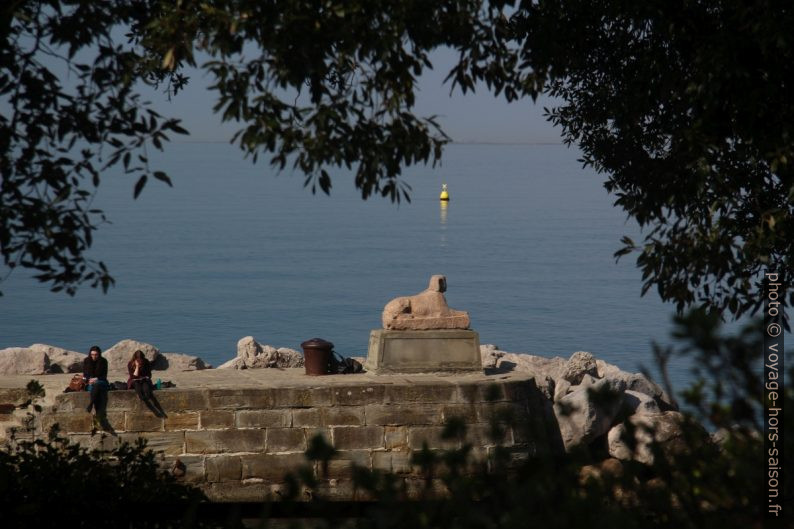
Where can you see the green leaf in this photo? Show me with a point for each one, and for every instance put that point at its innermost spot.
(160, 175)
(139, 186)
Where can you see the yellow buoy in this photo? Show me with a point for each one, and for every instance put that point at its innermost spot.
(444, 193)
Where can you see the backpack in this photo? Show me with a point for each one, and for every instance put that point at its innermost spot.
(343, 366)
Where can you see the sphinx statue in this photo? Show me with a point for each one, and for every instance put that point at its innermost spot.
(427, 310)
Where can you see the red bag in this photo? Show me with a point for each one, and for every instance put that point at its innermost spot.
(77, 383)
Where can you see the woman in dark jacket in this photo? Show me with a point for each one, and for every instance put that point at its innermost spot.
(95, 372)
(140, 371)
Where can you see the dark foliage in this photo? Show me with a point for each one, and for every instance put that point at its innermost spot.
(56, 483)
(317, 85)
(69, 83)
(687, 108)
(695, 484)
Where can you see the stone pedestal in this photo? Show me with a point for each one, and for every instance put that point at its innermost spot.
(393, 351)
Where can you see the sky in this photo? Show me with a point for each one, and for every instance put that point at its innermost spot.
(472, 118)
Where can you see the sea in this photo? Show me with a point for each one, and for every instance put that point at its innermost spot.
(238, 249)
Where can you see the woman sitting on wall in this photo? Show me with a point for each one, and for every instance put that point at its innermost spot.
(140, 371)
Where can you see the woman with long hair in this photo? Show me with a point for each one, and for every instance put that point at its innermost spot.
(140, 371)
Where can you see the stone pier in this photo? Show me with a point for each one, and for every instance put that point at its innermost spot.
(239, 433)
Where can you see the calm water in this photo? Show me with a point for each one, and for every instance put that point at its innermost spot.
(234, 250)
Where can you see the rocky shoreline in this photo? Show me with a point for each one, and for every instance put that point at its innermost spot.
(590, 400)
(43, 359)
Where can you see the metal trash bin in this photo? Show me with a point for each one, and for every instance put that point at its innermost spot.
(317, 356)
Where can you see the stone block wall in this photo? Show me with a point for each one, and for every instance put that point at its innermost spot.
(238, 444)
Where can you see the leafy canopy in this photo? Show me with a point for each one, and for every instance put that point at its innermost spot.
(687, 108)
(316, 84)
(684, 106)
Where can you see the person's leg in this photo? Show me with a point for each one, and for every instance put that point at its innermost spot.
(138, 385)
(102, 399)
(92, 396)
(146, 388)
(159, 409)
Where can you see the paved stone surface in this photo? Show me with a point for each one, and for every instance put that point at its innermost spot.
(268, 378)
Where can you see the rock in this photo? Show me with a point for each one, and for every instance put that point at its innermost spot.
(546, 370)
(587, 413)
(664, 428)
(252, 355)
(268, 357)
(490, 355)
(608, 468)
(546, 386)
(638, 382)
(179, 362)
(291, 358)
(540, 366)
(636, 403)
(234, 363)
(248, 349)
(587, 381)
(23, 361)
(61, 360)
(641, 384)
(424, 311)
(120, 354)
(561, 388)
(580, 364)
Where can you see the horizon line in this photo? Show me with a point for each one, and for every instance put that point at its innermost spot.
(526, 143)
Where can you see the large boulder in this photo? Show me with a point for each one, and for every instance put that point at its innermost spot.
(540, 366)
(580, 363)
(639, 383)
(61, 360)
(23, 361)
(120, 354)
(663, 428)
(248, 350)
(545, 370)
(636, 403)
(179, 362)
(252, 355)
(588, 412)
(561, 388)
